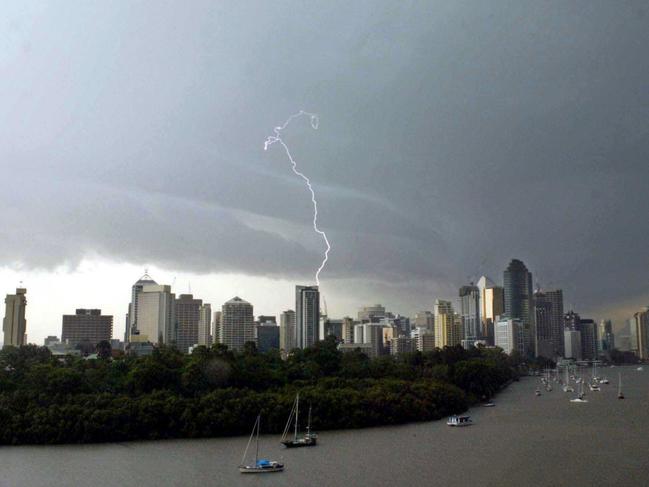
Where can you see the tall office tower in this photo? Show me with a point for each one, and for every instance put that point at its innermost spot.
(492, 306)
(519, 300)
(510, 336)
(641, 333)
(348, 330)
(205, 325)
(15, 324)
(267, 336)
(571, 321)
(188, 312)
(425, 319)
(549, 316)
(470, 315)
(372, 314)
(155, 318)
(572, 342)
(237, 324)
(87, 325)
(136, 289)
(370, 334)
(542, 312)
(307, 315)
(267, 319)
(287, 331)
(401, 325)
(448, 331)
(606, 338)
(588, 330)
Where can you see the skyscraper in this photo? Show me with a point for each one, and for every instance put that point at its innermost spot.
(87, 325)
(155, 318)
(287, 334)
(549, 322)
(448, 330)
(470, 313)
(307, 315)
(15, 324)
(509, 335)
(606, 338)
(372, 314)
(237, 324)
(187, 318)
(492, 306)
(519, 300)
(642, 333)
(205, 325)
(136, 289)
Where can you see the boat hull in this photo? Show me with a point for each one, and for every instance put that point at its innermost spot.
(250, 469)
(300, 443)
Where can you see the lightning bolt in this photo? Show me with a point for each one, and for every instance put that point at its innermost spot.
(277, 138)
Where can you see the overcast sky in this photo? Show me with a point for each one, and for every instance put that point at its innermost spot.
(453, 137)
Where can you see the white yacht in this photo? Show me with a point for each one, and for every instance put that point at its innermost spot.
(459, 421)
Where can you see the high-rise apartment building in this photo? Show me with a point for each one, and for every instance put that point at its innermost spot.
(287, 332)
(216, 327)
(205, 325)
(448, 329)
(237, 324)
(86, 326)
(519, 302)
(155, 318)
(307, 315)
(187, 318)
(348, 330)
(470, 315)
(15, 323)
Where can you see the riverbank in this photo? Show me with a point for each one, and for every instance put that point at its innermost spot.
(215, 392)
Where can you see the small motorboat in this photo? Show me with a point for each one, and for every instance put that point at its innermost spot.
(459, 421)
(488, 404)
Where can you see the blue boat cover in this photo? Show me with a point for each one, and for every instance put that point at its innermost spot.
(261, 463)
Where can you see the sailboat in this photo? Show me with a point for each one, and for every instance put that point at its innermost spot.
(308, 439)
(260, 465)
(619, 387)
(567, 387)
(580, 396)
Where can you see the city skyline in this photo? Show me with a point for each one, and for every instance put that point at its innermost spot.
(120, 319)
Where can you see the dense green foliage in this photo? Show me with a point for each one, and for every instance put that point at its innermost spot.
(215, 392)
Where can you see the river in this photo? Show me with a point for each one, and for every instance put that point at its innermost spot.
(524, 441)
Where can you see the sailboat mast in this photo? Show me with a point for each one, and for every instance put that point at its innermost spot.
(308, 425)
(297, 412)
(257, 449)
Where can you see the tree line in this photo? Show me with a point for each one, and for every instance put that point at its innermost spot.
(219, 392)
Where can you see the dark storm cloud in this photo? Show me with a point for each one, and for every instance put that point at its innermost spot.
(453, 137)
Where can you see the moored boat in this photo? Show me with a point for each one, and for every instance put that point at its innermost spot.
(308, 439)
(259, 465)
(459, 421)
